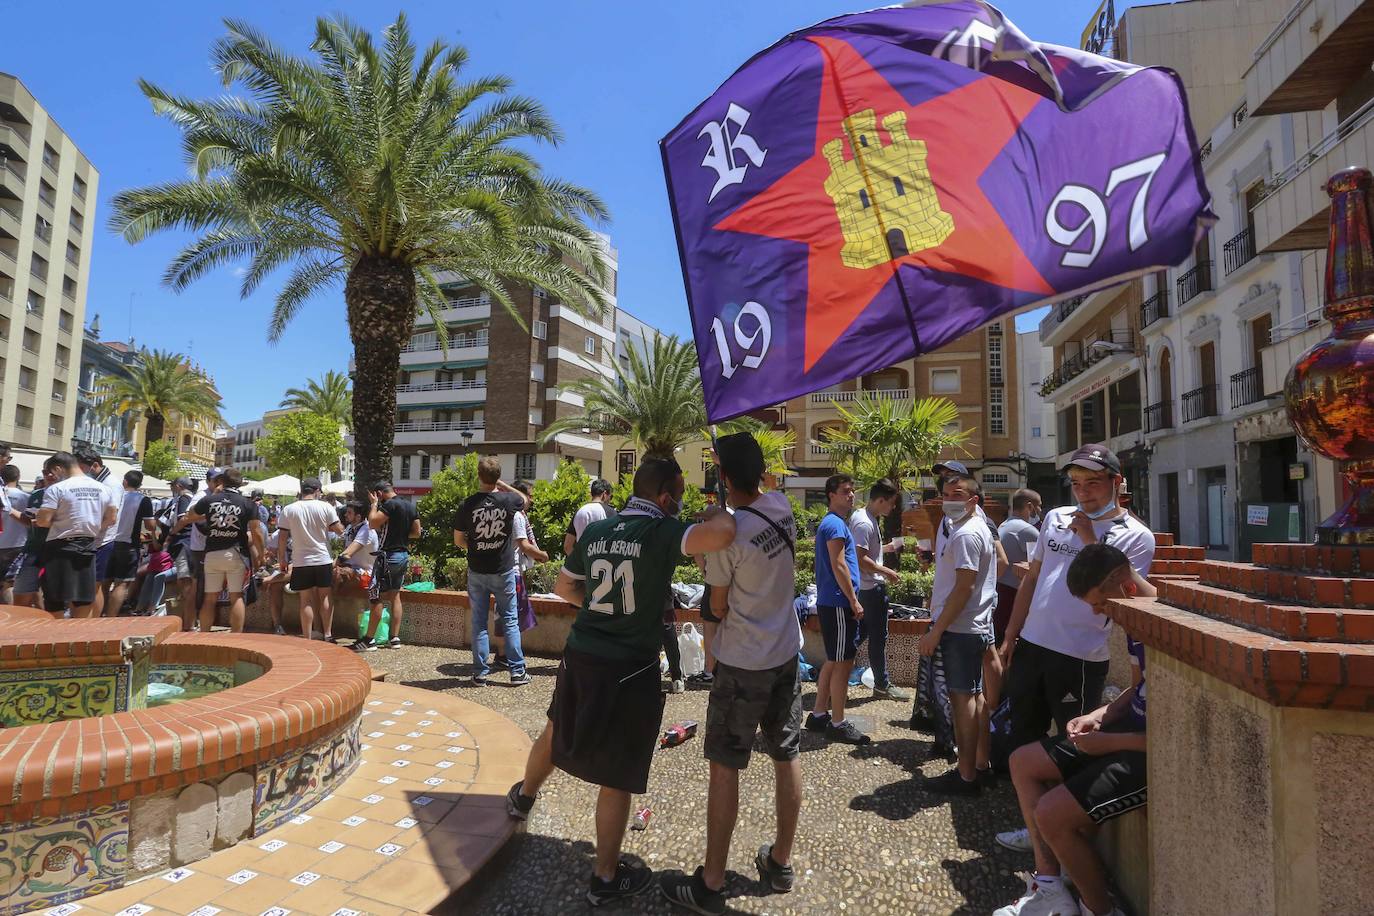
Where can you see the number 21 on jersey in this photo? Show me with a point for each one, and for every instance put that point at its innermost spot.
(604, 576)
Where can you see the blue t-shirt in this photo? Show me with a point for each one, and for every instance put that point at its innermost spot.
(828, 591)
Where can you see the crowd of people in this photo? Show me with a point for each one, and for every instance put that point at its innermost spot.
(1016, 620)
(84, 544)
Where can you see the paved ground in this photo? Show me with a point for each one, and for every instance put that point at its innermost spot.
(871, 840)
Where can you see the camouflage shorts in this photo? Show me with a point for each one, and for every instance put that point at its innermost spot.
(745, 702)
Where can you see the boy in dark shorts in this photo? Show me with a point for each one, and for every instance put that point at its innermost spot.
(1068, 785)
(757, 686)
(839, 611)
(607, 708)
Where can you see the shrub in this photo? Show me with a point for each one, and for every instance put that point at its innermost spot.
(456, 571)
(913, 588)
(689, 574)
(554, 502)
(439, 510)
(540, 578)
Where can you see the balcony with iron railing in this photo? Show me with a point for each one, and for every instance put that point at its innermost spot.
(1159, 416)
(1247, 387)
(1154, 308)
(1115, 342)
(422, 343)
(13, 141)
(1239, 251)
(1059, 313)
(422, 426)
(1194, 282)
(1200, 403)
(825, 398)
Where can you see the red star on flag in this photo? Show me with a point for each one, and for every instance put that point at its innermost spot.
(963, 130)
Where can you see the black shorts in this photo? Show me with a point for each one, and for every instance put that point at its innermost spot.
(389, 571)
(707, 615)
(9, 568)
(69, 571)
(303, 577)
(123, 564)
(1045, 686)
(742, 703)
(839, 632)
(606, 715)
(1106, 786)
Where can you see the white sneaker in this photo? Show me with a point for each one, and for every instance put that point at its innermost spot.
(1043, 901)
(1084, 911)
(1015, 840)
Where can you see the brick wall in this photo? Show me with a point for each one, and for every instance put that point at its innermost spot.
(510, 389)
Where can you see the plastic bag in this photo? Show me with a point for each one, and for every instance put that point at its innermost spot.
(693, 650)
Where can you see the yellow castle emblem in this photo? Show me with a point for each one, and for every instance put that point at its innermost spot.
(883, 195)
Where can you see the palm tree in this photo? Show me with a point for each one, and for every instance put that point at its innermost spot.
(160, 385)
(329, 397)
(656, 402)
(376, 168)
(898, 439)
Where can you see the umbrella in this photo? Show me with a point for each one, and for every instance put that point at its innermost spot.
(281, 485)
(339, 487)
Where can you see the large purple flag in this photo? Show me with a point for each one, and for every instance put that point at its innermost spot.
(874, 186)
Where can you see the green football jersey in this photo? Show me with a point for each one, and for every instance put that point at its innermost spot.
(627, 563)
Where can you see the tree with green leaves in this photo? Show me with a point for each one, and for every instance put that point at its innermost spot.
(892, 438)
(329, 397)
(161, 385)
(656, 402)
(439, 509)
(301, 444)
(376, 166)
(160, 460)
(553, 503)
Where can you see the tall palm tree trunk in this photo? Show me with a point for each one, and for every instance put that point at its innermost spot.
(381, 296)
(154, 430)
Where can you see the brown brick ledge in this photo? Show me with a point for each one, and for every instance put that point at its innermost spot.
(1278, 671)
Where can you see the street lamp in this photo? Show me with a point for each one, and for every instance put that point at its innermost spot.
(467, 440)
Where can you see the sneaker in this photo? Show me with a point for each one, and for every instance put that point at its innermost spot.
(279, 630)
(1042, 901)
(1016, 840)
(518, 806)
(677, 686)
(705, 678)
(845, 733)
(951, 783)
(479, 680)
(395, 643)
(519, 678)
(987, 778)
(891, 692)
(779, 877)
(332, 638)
(815, 723)
(629, 881)
(690, 891)
(1084, 911)
(364, 645)
(499, 662)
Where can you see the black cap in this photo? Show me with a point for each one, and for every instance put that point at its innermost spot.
(311, 485)
(183, 482)
(950, 467)
(1095, 457)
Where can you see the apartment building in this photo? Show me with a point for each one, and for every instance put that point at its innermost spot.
(120, 435)
(978, 372)
(1037, 429)
(47, 222)
(497, 383)
(1187, 347)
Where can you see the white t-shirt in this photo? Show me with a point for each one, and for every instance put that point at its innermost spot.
(591, 512)
(130, 503)
(78, 505)
(308, 522)
(116, 488)
(1059, 621)
(761, 629)
(966, 546)
(867, 537)
(14, 533)
(366, 556)
(523, 531)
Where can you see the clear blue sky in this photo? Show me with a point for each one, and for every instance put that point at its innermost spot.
(615, 75)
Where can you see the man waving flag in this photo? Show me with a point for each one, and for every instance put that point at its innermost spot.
(874, 186)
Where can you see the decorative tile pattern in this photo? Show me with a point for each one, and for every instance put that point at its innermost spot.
(29, 696)
(198, 679)
(291, 784)
(49, 861)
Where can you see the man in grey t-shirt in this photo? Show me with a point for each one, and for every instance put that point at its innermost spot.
(756, 685)
(866, 525)
(1018, 535)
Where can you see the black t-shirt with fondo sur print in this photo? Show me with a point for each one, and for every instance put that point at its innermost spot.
(227, 515)
(488, 520)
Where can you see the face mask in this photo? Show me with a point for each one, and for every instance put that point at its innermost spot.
(955, 509)
(1105, 510)
(1034, 519)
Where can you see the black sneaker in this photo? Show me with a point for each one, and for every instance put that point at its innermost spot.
(394, 643)
(815, 723)
(518, 806)
(705, 678)
(779, 877)
(951, 783)
(479, 680)
(499, 662)
(690, 891)
(364, 645)
(629, 881)
(845, 733)
(519, 678)
(987, 778)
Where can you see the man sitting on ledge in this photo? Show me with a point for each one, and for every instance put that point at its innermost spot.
(1069, 784)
